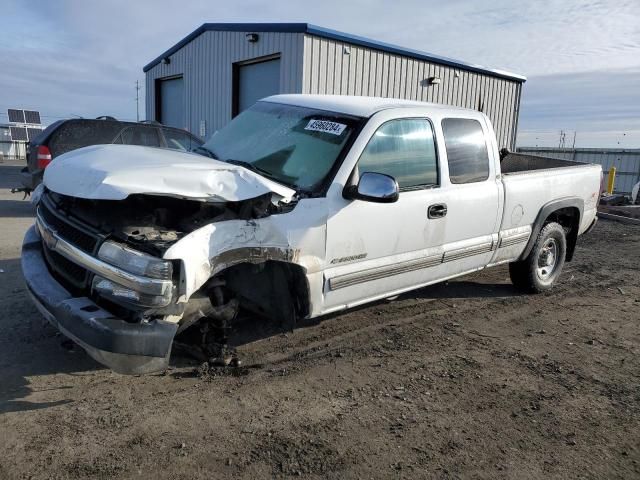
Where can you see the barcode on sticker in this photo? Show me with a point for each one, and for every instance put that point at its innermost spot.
(326, 126)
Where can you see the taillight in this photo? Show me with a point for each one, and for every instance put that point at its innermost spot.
(44, 157)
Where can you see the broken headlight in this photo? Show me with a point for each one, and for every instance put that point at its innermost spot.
(126, 296)
(135, 262)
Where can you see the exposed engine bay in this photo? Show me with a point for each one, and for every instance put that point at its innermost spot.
(152, 223)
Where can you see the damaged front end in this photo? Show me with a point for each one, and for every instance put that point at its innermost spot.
(134, 244)
(113, 275)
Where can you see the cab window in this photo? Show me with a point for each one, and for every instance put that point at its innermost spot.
(466, 150)
(74, 134)
(177, 140)
(404, 149)
(140, 135)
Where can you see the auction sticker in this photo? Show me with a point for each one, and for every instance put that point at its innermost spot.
(326, 126)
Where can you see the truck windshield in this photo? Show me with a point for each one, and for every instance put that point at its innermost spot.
(292, 145)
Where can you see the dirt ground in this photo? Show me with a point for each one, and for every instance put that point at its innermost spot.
(468, 379)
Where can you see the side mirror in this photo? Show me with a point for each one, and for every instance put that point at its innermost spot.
(374, 187)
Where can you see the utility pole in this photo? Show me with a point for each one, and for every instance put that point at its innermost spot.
(622, 139)
(563, 139)
(137, 101)
(574, 139)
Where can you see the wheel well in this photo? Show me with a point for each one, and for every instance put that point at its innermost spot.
(278, 290)
(569, 219)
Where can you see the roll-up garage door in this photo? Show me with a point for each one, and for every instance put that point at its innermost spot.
(170, 109)
(256, 81)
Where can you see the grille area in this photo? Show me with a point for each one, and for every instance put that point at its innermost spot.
(68, 231)
(72, 276)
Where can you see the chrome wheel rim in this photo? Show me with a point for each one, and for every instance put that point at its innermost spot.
(547, 259)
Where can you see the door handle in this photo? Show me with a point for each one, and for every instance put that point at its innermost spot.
(438, 210)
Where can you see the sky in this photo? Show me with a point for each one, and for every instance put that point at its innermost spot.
(581, 58)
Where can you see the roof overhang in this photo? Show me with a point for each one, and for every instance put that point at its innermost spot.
(334, 35)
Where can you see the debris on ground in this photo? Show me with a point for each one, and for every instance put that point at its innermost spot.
(503, 402)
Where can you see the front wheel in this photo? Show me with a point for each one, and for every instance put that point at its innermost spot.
(540, 270)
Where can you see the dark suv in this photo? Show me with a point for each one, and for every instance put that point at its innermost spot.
(66, 135)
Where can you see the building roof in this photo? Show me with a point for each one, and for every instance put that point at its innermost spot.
(350, 104)
(333, 35)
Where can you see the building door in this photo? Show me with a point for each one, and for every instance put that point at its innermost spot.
(170, 109)
(253, 81)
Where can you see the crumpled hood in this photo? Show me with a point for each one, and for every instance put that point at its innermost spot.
(113, 172)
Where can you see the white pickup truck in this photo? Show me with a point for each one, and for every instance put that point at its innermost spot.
(301, 206)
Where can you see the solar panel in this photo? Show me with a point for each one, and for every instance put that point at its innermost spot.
(16, 116)
(33, 133)
(31, 116)
(18, 134)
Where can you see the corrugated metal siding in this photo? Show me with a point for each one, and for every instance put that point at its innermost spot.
(329, 70)
(311, 64)
(207, 64)
(627, 162)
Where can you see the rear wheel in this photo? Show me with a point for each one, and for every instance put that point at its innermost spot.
(540, 270)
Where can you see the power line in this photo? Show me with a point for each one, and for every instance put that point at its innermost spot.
(563, 136)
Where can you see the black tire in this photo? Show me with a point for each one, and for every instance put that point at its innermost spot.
(542, 267)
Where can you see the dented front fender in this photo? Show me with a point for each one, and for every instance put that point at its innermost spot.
(296, 237)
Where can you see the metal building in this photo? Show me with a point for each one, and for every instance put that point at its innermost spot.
(626, 161)
(220, 69)
(10, 148)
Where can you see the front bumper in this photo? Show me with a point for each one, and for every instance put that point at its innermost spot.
(124, 347)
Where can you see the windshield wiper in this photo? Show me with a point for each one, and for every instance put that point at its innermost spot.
(253, 168)
(260, 171)
(247, 165)
(205, 151)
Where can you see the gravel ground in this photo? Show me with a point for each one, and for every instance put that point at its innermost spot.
(468, 379)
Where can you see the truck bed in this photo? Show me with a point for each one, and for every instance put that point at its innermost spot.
(520, 163)
(530, 182)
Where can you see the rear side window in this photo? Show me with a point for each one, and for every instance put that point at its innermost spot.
(139, 135)
(44, 135)
(178, 140)
(404, 149)
(466, 150)
(75, 134)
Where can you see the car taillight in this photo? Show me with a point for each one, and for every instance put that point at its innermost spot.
(44, 156)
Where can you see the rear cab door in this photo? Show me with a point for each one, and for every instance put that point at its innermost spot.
(472, 188)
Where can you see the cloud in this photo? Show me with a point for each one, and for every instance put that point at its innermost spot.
(600, 105)
(74, 56)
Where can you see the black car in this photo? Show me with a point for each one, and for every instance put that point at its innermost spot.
(66, 135)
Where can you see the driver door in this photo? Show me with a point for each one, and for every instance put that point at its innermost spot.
(379, 249)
